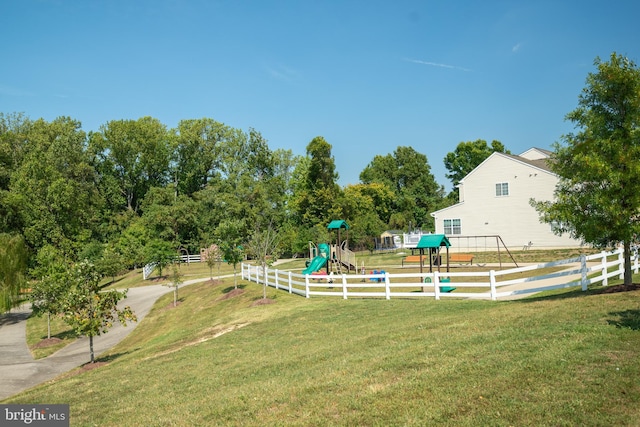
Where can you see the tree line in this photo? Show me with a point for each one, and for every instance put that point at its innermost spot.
(120, 190)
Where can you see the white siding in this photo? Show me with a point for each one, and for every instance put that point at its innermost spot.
(511, 217)
(534, 154)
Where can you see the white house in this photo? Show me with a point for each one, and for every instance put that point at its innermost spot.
(494, 200)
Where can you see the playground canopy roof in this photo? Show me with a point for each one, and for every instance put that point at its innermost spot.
(337, 224)
(433, 241)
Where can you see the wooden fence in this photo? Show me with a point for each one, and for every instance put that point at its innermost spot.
(582, 271)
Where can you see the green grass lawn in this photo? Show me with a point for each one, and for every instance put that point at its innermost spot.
(560, 358)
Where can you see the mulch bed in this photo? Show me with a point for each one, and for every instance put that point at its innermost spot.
(91, 366)
(619, 288)
(262, 301)
(231, 294)
(47, 342)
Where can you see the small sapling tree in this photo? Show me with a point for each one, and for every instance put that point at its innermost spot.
(176, 281)
(89, 311)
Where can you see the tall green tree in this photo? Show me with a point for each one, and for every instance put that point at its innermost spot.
(408, 174)
(131, 156)
(315, 201)
(90, 311)
(13, 269)
(197, 146)
(54, 187)
(597, 198)
(171, 218)
(467, 156)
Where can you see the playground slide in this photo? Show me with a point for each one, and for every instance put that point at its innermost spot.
(316, 264)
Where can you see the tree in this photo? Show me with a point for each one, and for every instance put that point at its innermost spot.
(160, 252)
(13, 268)
(230, 236)
(197, 153)
(52, 282)
(264, 246)
(467, 156)
(90, 311)
(14, 143)
(131, 156)
(55, 189)
(48, 294)
(597, 198)
(316, 195)
(214, 256)
(233, 255)
(176, 280)
(407, 173)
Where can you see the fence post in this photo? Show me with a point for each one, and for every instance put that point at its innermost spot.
(275, 277)
(290, 282)
(583, 271)
(492, 285)
(387, 288)
(621, 264)
(306, 286)
(344, 286)
(436, 284)
(605, 277)
(635, 262)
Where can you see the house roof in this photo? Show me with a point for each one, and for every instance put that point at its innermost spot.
(540, 163)
(433, 241)
(337, 224)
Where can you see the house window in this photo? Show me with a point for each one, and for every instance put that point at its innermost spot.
(452, 226)
(502, 189)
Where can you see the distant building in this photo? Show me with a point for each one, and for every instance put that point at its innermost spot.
(494, 200)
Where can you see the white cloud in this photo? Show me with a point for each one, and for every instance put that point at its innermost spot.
(516, 48)
(436, 64)
(281, 72)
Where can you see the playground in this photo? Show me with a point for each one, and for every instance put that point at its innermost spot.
(432, 268)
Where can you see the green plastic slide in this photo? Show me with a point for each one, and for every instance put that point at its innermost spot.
(320, 261)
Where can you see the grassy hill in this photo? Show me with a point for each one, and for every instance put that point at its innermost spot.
(223, 358)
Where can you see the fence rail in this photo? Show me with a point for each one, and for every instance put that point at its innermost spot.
(582, 271)
(148, 269)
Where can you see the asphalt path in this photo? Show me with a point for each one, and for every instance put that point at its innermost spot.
(19, 371)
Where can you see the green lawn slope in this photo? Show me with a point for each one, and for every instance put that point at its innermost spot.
(225, 358)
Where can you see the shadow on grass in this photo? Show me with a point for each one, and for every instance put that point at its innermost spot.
(68, 334)
(231, 288)
(111, 282)
(577, 292)
(628, 319)
(111, 357)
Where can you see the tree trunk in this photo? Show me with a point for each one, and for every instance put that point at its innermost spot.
(628, 278)
(91, 348)
(264, 285)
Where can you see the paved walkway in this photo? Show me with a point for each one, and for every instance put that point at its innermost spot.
(19, 371)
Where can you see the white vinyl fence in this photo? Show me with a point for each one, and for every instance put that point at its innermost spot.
(582, 271)
(148, 269)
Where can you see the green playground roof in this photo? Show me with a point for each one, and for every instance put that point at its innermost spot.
(433, 241)
(337, 224)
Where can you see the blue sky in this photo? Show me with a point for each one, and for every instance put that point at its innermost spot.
(368, 76)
